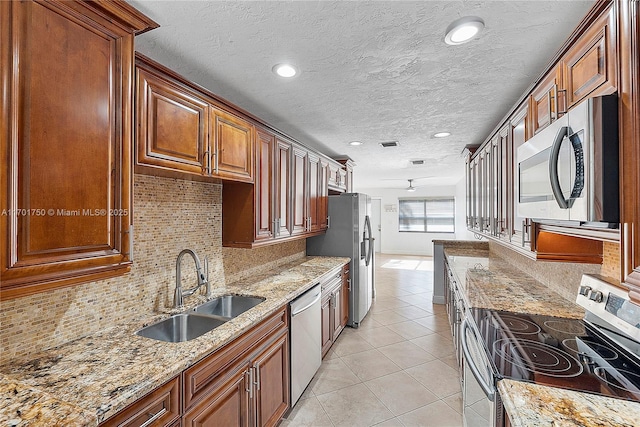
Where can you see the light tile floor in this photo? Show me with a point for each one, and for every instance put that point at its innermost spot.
(398, 368)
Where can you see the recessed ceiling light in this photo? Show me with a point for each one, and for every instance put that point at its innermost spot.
(355, 143)
(462, 30)
(285, 70)
(441, 134)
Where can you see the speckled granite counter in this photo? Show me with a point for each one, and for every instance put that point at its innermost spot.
(532, 405)
(489, 281)
(88, 380)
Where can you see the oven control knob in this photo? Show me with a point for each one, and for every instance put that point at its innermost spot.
(595, 296)
(584, 290)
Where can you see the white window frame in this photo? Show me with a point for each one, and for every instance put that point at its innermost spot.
(425, 201)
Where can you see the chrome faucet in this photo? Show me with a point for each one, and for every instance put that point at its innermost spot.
(203, 279)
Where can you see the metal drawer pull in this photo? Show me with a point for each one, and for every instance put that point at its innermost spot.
(154, 417)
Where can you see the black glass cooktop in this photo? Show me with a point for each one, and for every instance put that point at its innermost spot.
(567, 353)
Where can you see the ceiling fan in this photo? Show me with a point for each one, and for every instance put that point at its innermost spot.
(411, 188)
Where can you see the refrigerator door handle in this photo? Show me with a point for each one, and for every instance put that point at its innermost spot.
(367, 237)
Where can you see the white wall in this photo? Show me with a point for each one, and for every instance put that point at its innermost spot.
(394, 242)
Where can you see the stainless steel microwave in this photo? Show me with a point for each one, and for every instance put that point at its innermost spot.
(569, 171)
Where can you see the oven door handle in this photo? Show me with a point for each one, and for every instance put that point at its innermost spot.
(489, 389)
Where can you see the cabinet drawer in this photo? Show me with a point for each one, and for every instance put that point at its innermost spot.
(161, 407)
(212, 371)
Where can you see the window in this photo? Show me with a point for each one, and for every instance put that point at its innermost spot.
(431, 215)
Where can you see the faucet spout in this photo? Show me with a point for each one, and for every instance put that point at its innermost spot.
(179, 294)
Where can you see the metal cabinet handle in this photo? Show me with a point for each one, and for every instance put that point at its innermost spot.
(257, 380)
(249, 387)
(215, 162)
(153, 417)
(206, 159)
(564, 111)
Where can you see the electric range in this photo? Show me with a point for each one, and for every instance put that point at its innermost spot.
(598, 354)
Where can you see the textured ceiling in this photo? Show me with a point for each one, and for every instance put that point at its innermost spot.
(370, 71)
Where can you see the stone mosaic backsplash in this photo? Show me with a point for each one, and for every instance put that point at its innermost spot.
(169, 215)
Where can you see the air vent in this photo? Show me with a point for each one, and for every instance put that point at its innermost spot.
(417, 162)
(389, 144)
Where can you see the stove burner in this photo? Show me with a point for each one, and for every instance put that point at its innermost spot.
(538, 357)
(620, 379)
(567, 326)
(518, 325)
(603, 352)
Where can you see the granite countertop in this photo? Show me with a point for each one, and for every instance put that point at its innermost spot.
(88, 380)
(533, 405)
(489, 281)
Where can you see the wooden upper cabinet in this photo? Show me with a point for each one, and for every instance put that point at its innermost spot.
(299, 172)
(264, 186)
(172, 124)
(66, 141)
(184, 132)
(517, 135)
(314, 189)
(589, 67)
(544, 104)
(232, 144)
(283, 189)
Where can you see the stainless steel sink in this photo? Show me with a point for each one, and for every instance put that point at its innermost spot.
(228, 306)
(181, 327)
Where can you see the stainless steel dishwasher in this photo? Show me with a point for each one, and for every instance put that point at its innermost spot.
(306, 340)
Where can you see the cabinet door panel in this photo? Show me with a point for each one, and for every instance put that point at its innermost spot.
(272, 378)
(327, 338)
(172, 125)
(299, 190)
(66, 146)
(590, 65)
(283, 189)
(233, 146)
(346, 285)
(544, 105)
(314, 193)
(228, 406)
(265, 226)
(337, 312)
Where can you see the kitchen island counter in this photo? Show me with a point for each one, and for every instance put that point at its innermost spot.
(88, 380)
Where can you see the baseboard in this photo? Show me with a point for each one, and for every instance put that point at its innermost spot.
(438, 299)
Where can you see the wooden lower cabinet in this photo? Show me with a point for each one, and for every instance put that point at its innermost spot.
(334, 308)
(245, 383)
(271, 371)
(226, 406)
(327, 336)
(161, 407)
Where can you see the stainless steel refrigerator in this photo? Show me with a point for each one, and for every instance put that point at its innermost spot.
(349, 235)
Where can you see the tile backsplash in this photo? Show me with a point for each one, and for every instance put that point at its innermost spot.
(169, 215)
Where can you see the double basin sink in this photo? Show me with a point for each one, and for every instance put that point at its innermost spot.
(199, 320)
